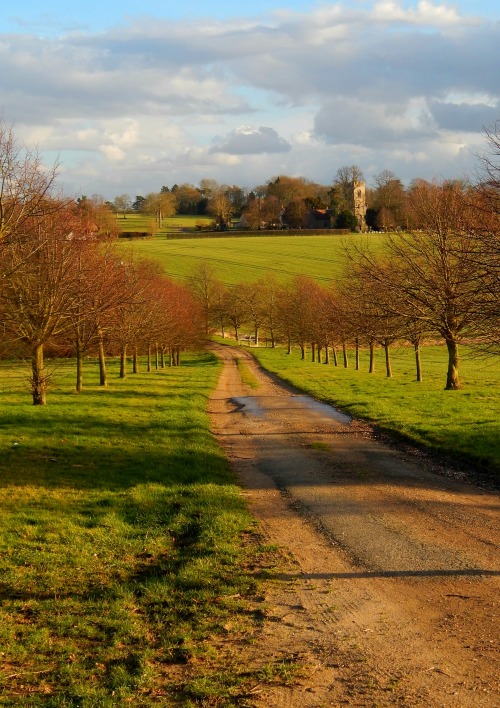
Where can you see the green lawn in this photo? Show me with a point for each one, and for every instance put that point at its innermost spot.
(120, 540)
(465, 423)
(246, 259)
(172, 224)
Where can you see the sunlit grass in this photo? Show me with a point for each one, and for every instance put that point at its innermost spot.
(246, 259)
(119, 536)
(464, 423)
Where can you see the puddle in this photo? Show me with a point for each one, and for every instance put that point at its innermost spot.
(250, 405)
(325, 409)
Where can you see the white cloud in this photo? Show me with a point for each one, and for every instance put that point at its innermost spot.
(247, 140)
(397, 85)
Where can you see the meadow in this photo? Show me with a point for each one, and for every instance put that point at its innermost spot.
(121, 551)
(249, 258)
(463, 424)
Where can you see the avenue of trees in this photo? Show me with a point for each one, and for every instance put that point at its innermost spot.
(64, 289)
(438, 282)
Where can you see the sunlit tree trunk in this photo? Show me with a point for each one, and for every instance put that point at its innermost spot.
(452, 380)
(388, 366)
(344, 354)
(103, 376)
(418, 362)
(135, 362)
(79, 364)
(149, 358)
(335, 358)
(123, 362)
(372, 357)
(357, 353)
(38, 378)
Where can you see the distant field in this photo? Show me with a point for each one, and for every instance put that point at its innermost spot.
(139, 222)
(464, 423)
(248, 258)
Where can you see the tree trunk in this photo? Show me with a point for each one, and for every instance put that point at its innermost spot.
(388, 366)
(357, 353)
(157, 361)
(335, 359)
(418, 362)
(302, 352)
(103, 375)
(79, 364)
(372, 357)
(162, 357)
(313, 352)
(327, 354)
(452, 380)
(38, 380)
(123, 362)
(288, 344)
(318, 358)
(344, 353)
(149, 357)
(135, 362)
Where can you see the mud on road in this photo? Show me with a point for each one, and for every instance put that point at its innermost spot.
(388, 588)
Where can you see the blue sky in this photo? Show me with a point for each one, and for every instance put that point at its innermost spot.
(129, 96)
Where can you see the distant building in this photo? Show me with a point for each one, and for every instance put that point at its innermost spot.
(320, 219)
(360, 204)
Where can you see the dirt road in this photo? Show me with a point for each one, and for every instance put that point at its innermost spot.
(389, 592)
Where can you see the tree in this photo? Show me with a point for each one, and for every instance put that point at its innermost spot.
(26, 186)
(430, 273)
(486, 237)
(220, 206)
(205, 288)
(39, 295)
(161, 205)
(122, 204)
(188, 198)
(344, 181)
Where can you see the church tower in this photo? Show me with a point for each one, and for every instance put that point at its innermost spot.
(360, 204)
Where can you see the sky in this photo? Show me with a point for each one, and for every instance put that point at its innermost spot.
(133, 95)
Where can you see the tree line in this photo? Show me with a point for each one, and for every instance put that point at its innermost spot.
(289, 202)
(438, 281)
(64, 287)
(283, 201)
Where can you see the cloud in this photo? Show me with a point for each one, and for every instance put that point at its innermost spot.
(387, 84)
(247, 140)
(465, 117)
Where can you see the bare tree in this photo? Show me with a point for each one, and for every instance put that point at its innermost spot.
(26, 185)
(39, 296)
(430, 274)
(206, 288)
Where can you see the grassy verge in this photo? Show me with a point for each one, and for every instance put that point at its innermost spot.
(121, 554)
(463, 423)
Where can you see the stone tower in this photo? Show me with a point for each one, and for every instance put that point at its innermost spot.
(360, 204)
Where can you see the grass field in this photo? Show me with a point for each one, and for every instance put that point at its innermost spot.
(172, 224)
(120, 540)
(237, 260)
(464, 423)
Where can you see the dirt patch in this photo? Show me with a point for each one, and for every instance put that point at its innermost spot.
(386, 592)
